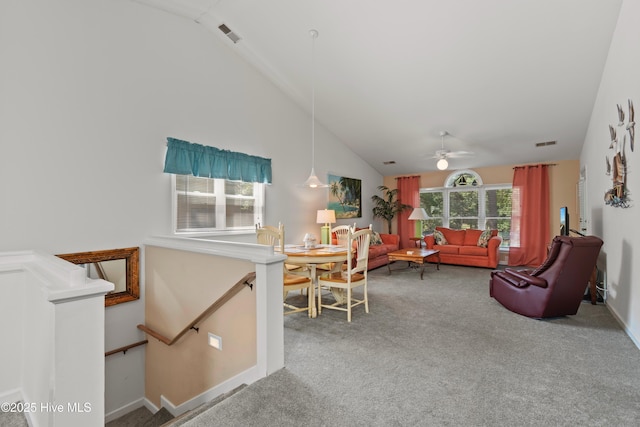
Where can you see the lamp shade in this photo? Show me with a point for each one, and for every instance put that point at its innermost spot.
(418, 214)
(313, 181)
(442, 164)
(326, 216)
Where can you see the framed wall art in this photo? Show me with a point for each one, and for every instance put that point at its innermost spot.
(345, 196)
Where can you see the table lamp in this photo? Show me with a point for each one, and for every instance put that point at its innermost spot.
(326, 217)
(418, 214)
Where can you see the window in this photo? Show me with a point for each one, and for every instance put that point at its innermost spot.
(465, 203)
(207, 204)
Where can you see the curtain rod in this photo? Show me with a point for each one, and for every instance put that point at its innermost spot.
(410, 176)
(540, 164)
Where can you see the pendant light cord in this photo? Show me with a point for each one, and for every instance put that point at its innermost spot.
(314, 35)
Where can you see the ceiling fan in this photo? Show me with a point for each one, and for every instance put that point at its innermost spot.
(442, 155)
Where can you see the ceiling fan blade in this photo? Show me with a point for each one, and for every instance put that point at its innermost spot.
(460, 154)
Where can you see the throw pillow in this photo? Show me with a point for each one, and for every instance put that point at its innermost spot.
(375, 238)
(439, 237)
(483, 240)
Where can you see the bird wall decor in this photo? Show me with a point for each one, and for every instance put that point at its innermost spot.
(616, 166)
(631, 125)
(614, 138)
(620, 115)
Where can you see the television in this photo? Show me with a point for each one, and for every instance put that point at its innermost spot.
(564, 221)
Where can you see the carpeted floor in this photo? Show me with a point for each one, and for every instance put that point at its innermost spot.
(441, 352)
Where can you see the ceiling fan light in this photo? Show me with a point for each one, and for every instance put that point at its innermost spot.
(442, 164)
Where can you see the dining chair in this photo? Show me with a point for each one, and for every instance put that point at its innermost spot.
(272, 236)
(355, 275)
(298, 269)
(341, 232)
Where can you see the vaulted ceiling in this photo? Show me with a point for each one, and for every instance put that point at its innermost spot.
(500, 76)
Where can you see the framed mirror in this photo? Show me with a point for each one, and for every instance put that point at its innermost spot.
(118, 266)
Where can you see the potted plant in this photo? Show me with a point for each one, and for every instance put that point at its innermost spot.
(389, 206)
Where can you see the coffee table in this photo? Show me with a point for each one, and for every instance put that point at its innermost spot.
(417, 256)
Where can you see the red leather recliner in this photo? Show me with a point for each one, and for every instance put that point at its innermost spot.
(556, 288)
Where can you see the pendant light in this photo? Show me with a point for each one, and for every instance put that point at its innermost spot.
(313, 181)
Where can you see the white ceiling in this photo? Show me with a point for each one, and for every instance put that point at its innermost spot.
(498, 75)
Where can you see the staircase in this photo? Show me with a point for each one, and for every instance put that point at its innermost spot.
(142, 417)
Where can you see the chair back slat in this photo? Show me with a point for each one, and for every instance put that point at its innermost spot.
(341, 232)
(358, 247)
(270, 235)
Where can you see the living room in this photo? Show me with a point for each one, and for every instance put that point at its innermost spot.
(91, 91)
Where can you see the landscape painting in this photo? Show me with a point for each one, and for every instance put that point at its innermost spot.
(345, 196)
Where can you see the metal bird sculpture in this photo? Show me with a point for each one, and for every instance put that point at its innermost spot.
(614, 138)
(631, 125)
(620, 115)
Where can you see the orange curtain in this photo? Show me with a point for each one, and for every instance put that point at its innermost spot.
(529, 215)
(409, 194)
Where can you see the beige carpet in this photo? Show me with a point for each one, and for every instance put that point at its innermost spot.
(441, 352)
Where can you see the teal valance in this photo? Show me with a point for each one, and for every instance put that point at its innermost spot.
(186, 158)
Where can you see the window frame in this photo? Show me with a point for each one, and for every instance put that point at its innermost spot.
(221, 198)
(481, 190)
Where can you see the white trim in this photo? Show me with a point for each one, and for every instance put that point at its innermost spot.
(623, 325)
(247, 377)
(129, 407)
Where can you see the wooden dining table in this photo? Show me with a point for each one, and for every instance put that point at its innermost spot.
(312, 258)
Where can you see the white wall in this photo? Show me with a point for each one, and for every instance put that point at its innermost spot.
(90, 91)
(618, 227)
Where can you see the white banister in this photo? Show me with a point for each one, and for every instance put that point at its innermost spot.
(52, 324)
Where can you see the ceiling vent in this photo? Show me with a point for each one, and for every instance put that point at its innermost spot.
(232, 36)
(544, 144)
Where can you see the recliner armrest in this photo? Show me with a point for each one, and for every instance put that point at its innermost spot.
(527, 278)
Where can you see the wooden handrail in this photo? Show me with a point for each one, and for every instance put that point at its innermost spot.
(125, 348)
(249, 277)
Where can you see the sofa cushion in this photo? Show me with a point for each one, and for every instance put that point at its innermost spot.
(473, 250)
(375, 238)
(439, 238)
(483, 240)
(471, 237)
(377, 250)
(453, 237)
(447, 249)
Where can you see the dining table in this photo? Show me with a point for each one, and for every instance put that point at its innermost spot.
(311, 258)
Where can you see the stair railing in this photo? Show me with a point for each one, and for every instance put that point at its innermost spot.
(125, 348)
(245, 281)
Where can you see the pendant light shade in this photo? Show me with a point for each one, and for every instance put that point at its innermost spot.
(442, 164)
(313, 181)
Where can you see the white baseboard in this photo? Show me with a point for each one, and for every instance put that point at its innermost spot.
(123, 410)
(247, 377)
(11, 396)
(626, 329)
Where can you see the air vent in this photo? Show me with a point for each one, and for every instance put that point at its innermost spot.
(544, 144)
(232, 36)
(389, 162)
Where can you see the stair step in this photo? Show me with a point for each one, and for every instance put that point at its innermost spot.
(158, 419)
(180, 420)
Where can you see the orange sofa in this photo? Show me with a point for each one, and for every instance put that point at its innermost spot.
(378, 253)
(462, 247)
